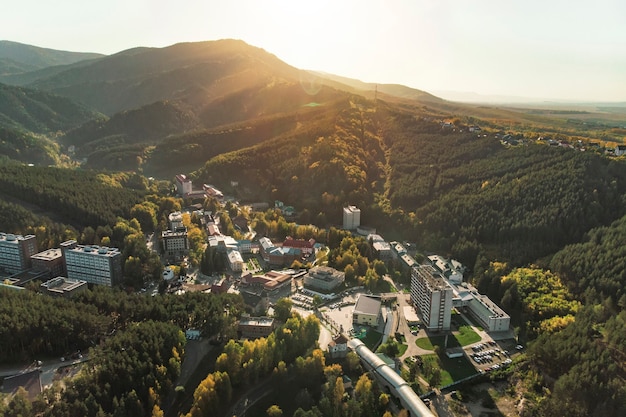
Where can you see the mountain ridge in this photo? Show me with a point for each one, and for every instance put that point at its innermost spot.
(37, 58)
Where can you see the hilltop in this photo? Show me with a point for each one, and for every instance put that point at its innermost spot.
(18, 58)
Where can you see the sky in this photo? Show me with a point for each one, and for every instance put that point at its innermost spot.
(539, 49)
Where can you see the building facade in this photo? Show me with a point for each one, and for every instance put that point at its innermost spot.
(15, 252)
(367, 311)
(338, 347)
(176, 220)
(183, 185)
(235, 261)
(255, 327)
(431, 294)
(99, 265)
(175, 243)
(490, 316)
(323, 278)
(50, 261)
(306, 246)
(351, 217)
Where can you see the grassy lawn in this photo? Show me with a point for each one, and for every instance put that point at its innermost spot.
(467, 336)
(463, 337)
(424, 343)
(401, 348)
(371, 339)
(451, 369)
(473, 322)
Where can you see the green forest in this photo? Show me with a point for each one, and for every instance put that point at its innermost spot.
(539, 224)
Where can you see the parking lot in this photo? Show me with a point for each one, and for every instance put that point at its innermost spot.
(491, 355)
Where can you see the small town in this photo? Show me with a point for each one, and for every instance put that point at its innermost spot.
(437, 309)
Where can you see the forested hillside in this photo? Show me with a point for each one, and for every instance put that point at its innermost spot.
(184, 133)
(39, 111)
(455, 192)
(321, 166)
(81, 198)
(136, 77)
(542, 229)
(30, 120)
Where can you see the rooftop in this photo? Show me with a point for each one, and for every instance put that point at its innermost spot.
(62, 285)
(367, 305)
(48, 255)
(256, 321)
(96, 250)
(433, 279)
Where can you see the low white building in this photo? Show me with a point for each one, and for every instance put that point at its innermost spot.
(490, 315)
(235, 261)
(323, 278)
(338, 347)
(367, 311)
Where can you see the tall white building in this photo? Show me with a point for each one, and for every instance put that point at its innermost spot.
(351, 217)
(432, 295)
(95, 264)
(183, 185)
(15, 252)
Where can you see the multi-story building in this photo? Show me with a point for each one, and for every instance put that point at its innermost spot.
(235, 261)
(351, 217)
(382, 250)
(176, 220)
(306, 246)
(175, 243)
(338, 347)
(244, 245)
(183, 185)
(452, 270)
(270, 281)
(266, 247)
(490, 316)
(432, 295)
(99, 265)
(323, 278)
(50, 261)
(255, 327)
(15, 252)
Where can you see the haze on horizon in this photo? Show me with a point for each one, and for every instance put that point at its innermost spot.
(560, 50)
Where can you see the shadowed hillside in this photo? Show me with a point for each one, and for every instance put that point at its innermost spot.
(202, 72)
(39, 111)
(17, 57)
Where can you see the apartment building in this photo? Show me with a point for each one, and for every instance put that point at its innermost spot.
(175, 243)
(351, 217)
(99, 265)
(50, 261)
(15, 252)
(431, 294)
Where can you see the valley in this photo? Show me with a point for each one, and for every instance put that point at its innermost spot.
(529, 198)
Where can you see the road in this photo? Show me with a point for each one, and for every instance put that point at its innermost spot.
(49, 369)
